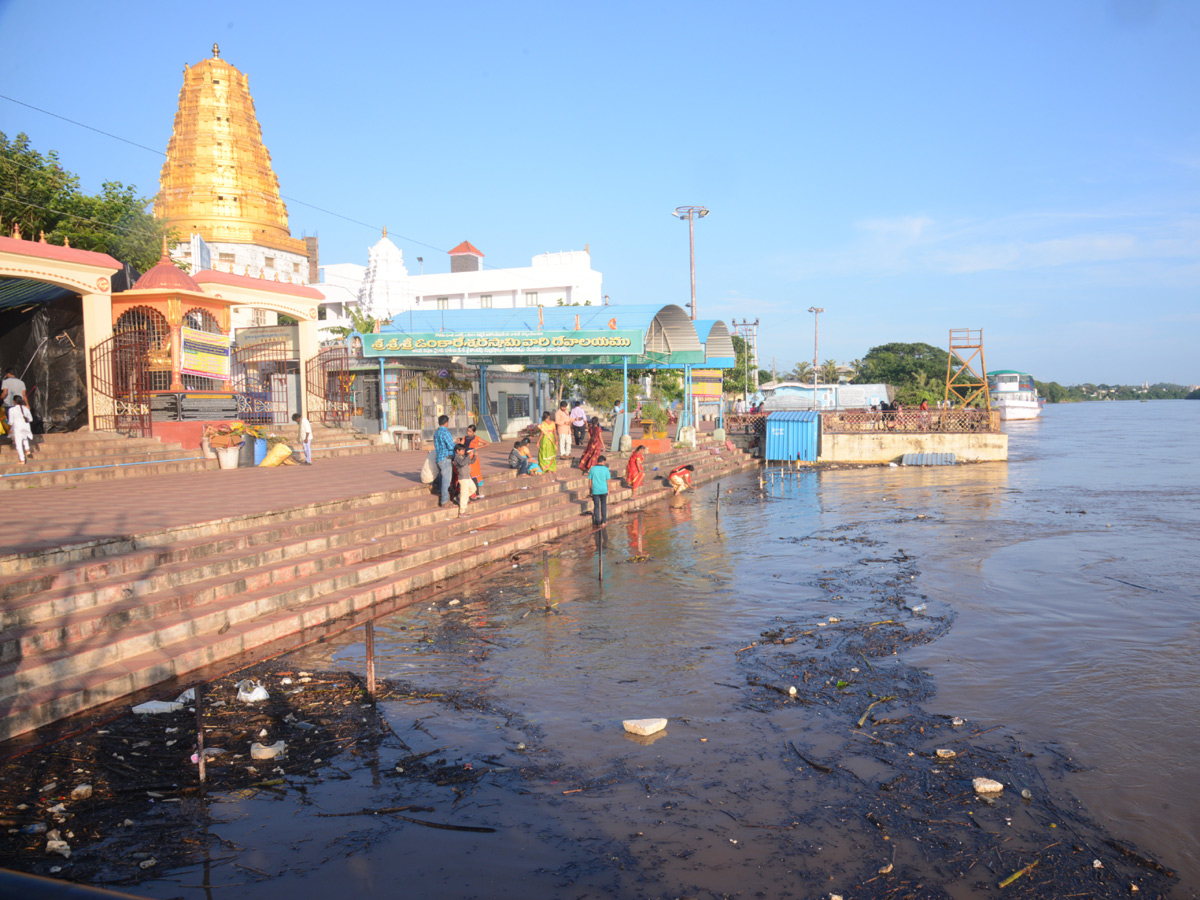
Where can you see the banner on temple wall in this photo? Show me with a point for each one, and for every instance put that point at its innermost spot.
(706, 384)
(505, 343)
(204, 354)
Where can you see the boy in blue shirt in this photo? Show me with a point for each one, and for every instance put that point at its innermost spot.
(599, 475)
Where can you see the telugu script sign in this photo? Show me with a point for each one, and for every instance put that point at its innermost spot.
(505, 344)
(204, 354)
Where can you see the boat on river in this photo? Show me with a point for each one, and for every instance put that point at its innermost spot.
(1014, 394)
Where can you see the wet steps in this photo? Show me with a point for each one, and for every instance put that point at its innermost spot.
(87, 626)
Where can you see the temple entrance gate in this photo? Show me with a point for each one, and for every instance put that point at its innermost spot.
(260, 373)
(329, 381)
(119, 384)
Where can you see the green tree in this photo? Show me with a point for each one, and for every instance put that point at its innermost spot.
(829, 372)
(359, 321)
(735, 379)
(39, 196)
(801, 372)
(898, 364)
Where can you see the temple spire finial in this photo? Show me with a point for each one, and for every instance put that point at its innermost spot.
(385, 231)
(216, 51)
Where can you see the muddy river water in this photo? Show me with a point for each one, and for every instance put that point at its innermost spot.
(1060, 598)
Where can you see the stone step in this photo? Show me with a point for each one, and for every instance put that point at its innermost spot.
(54, 618)
(238, 624)
(122, 560)
(24, 477)
(265, 556)
(184, 634)
(121, 628)
(61, 588)
(38, 461)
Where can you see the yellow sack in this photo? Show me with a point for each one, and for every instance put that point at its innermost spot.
(275, 456)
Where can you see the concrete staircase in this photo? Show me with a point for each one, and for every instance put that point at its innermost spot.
(333, 440)
(92, 623)
(84, 456)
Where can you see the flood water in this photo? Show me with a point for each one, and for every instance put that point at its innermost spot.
(1068, 576)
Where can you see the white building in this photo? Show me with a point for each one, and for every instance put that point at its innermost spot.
(385, 287)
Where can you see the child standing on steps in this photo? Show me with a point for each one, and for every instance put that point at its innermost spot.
(466, 487)
(599, 476)
(305, 435)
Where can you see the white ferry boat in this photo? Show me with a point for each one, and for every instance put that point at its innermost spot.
(1014, 394)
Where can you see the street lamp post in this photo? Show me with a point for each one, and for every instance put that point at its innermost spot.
(816, 311)
(691, 213)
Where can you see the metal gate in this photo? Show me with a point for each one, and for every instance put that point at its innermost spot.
(122, 401)
(258, 372)
(329, 380)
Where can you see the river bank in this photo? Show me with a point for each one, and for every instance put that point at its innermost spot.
(501, 710)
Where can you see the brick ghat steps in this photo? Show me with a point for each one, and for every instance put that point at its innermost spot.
(93, 456)
(332, 441)
(89, 624)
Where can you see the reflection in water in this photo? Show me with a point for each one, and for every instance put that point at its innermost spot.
(1071, 575)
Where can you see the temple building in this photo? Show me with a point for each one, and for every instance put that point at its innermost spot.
(218, 189)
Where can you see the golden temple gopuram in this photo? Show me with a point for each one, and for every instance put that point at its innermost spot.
(217, 181)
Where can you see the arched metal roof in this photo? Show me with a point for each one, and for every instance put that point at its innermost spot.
(718, 343)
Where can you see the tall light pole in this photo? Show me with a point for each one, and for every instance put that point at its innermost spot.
(691, 213)
(816, 311)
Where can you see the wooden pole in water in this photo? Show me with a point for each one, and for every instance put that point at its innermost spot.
(546, 576)
(370, 629)
(718, 501)
(200, 731)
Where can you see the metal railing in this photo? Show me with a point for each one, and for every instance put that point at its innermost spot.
(911, 421)
(746, 423)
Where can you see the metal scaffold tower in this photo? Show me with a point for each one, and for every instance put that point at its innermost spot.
(965, 385)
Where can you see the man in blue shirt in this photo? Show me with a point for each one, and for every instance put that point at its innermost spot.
(599, 475)
(443, 446)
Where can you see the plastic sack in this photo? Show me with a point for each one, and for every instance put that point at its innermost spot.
(429, 469)
(251, 691)
(275, 456)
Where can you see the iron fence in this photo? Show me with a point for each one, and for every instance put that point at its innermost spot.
(119, 388)
(911, 421)
(259, 376)
(746, 423)
(329, 381)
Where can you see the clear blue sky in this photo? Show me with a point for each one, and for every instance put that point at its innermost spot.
(1028, 168)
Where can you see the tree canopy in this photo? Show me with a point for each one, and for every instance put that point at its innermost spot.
(38, 195)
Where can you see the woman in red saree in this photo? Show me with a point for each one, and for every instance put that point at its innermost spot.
(595, 445)
(680, 478)
(635, 471)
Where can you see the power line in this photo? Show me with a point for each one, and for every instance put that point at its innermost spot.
(63, 212)
(329, 212)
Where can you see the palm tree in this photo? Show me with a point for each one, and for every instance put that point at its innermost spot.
(802, 372)
(359, 321)
(829, 371)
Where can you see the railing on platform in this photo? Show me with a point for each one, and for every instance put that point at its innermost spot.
(746, 423)
(911, 421)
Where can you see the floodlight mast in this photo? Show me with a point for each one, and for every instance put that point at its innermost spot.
(691, 213)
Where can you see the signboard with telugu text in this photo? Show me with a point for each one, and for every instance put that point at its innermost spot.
(204, 354)
(512, 345)
(706, 384)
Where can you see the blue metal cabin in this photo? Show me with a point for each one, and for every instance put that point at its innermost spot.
(792, 435)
